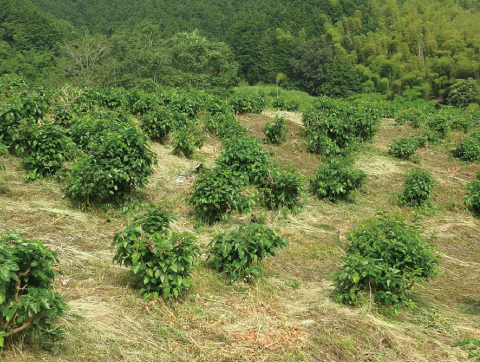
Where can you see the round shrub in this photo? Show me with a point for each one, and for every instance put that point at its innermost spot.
(418, 188)
(246, 156)
(186, 140)
(45, 147)
(440, 124)
(464, 92)
(403, 148)
(277, 132)
(224, 125)
(161, 260)
(469, 148)
(281, 188)
(472, 199)
(26, 286)
(386, 257)
(337, 180)
(217, 193)
(161, 121)
(245, 103)
(290, 104)
(114, 164)
(238, 254)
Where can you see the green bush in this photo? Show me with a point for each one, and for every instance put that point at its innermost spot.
(3, 149)
(415, 116)
(161, 121)
(224, 125)
(27, 262)
(245, 103)
(472, 199)
(277, 132)
(418, 188)
(238, 254)
(469, 148)
(403, 148)
(334, 127)
(217, 193)
(114, 164)
(45, 147)
(86, 128)
(246, 156)
(440, 123)
(288, 104)
(186, 140)
(464, 92)
(337, 180)
(281, 189)
(161, 260)
(385, 257)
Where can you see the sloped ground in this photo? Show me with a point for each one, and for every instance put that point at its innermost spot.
(291, 314)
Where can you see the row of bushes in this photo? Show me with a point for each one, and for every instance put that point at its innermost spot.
(162, 260)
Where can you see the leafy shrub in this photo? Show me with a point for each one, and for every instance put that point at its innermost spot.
(246, 156)
(387, 258)
(159, 122)
(281, 188)
(289, 104)
(337, 180)
(472, 199)
(113, 165)
(224, 125)
(440, 123)
(238, 254)
(464, 92)
(403, 148)
(162, 260)
(415, 116)
(45, 148)
(86, 128)
(186, 140)
(418, 188)
(3, 149)
(277, 132)
(340, 122)
(245, 103)
(27, 262)
(29, 107)
(217, 193)
(469, 148)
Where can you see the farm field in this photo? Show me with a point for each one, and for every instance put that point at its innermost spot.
(288, 315)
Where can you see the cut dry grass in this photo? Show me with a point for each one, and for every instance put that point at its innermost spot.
(290, 315)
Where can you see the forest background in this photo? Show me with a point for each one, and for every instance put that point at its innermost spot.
(335, 47)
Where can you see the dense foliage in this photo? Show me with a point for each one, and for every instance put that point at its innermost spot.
(337, 180)
(333, 126)
(161, 259)
(114, 164)
(26, 286)
(469, 148)
(403, 148)
(281, 189)
(217, 193)
(277, 132)
(239, 253)
(385, 257)
(472, 199)
(246, 156)
(418, 188)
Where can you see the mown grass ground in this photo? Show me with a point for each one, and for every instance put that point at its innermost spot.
(291, 314)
